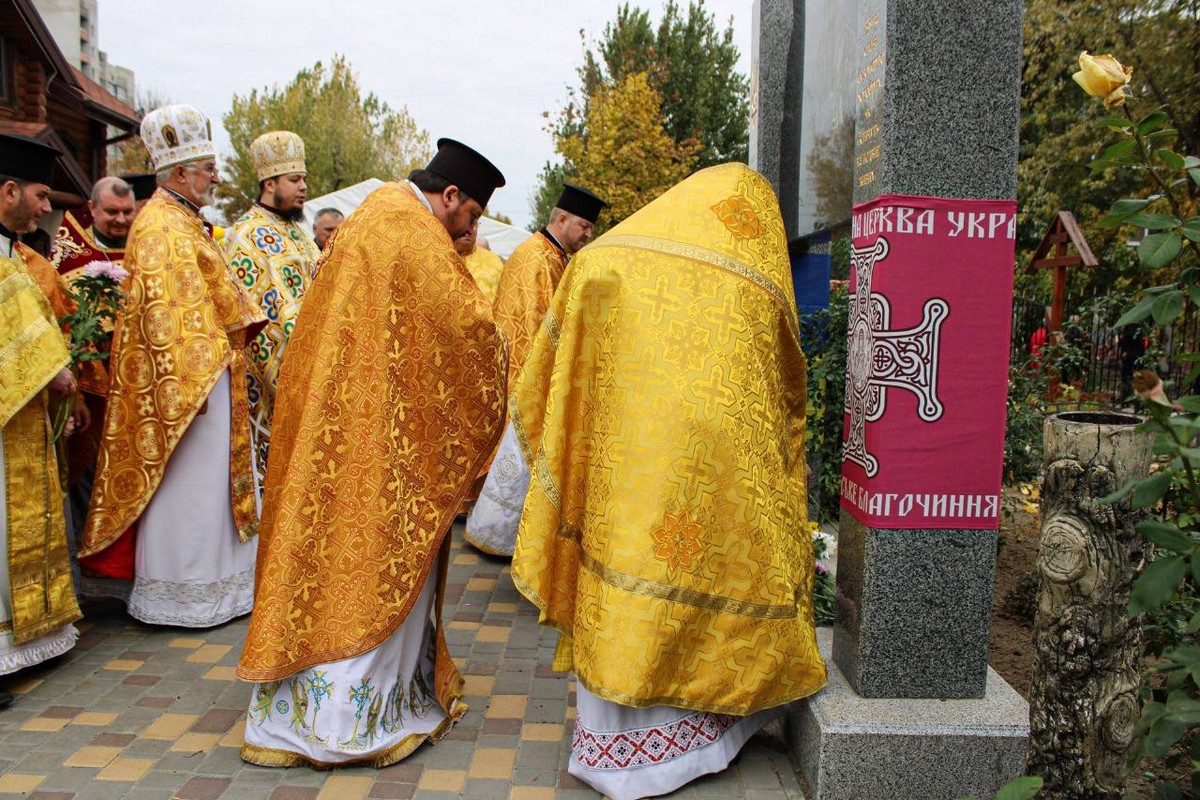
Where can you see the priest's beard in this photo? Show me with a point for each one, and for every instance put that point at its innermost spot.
(291, 214)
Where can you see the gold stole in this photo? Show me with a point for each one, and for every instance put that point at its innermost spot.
(42, 595)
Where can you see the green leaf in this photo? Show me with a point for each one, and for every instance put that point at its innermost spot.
(1193, 626)
(1129, 205)
(1193, 289)
(1159, 249)
(1165, 132)
(1166, 536)
(1194, 172)
(1149, 491)
(1151, 121)
(1101, 164)
(1121, 148)
(1023, 788)
(1179, 704)
(1191, 161)
(1117, 122)
(1171, 159)
(1190, 404)
(1157, 584)
(1116, 496)
(1163, 735)
(1191, 228)
(1138, 313)
(1167, 307)
(1154, 222)
(1168, 791)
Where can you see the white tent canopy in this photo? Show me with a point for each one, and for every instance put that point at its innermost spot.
(502, 238)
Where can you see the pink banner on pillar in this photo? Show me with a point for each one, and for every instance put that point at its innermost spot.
(931, 283)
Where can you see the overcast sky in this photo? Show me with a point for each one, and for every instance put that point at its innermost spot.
(481, 71)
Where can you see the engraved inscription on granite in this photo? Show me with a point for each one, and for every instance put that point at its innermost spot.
(869, 86)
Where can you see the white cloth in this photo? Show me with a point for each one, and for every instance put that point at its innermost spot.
(375, 708)
(627, 753)
(190, 569)
(18, 656)
(492, 523)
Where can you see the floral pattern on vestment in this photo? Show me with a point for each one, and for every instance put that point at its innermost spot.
(274, 260)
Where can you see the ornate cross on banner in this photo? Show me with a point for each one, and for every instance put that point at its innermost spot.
(879, 358)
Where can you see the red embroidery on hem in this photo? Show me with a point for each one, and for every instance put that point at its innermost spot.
(641, 747)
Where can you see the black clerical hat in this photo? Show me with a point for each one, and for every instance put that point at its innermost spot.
(27, 159)
(143, 185)
(466, 169)
(580, 202)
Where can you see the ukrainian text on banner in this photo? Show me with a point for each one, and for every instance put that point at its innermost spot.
(931, 283)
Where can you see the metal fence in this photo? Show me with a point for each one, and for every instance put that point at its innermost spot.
(1100, 359)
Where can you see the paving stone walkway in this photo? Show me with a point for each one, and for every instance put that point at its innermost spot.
(149, 713)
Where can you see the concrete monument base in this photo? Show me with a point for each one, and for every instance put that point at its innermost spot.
(846, 747)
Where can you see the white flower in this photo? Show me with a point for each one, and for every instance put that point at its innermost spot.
(827, 540)
(105, 269)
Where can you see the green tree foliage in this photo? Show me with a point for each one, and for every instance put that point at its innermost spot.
(691, 64)
(1161, 39)
(688, 61)
(623, 152)
(347, 137)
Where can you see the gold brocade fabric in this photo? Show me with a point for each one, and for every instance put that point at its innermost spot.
(661, 412)
(526, 287)
(32, 349)
(183, 323)
(485, 267)
(33, 352)
(389, 401)
(274, 260)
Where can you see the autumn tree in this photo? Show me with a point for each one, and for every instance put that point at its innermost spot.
(347, 137)
(1160, 39)
(623, 151)
(688, 61)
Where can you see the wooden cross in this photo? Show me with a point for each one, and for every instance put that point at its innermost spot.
(1063, 231)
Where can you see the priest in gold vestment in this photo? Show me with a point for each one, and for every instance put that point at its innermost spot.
(527, 286)
(274, 259)
(664, 533)
(484, 265)
(37, 600)
(95, 232)
(173, 506)
(390, 400)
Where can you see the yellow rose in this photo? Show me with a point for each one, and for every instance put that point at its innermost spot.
(1103, 76)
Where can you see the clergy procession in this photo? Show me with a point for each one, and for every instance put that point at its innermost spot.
(283, 422)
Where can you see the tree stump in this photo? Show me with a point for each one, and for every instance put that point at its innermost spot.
(1084, 700)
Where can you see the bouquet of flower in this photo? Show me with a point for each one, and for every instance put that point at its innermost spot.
(97, 295)
(824, 592)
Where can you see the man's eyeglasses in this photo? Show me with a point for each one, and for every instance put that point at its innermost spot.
(210, 169)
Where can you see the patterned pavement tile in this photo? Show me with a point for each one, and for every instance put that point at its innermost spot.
(136, 712)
